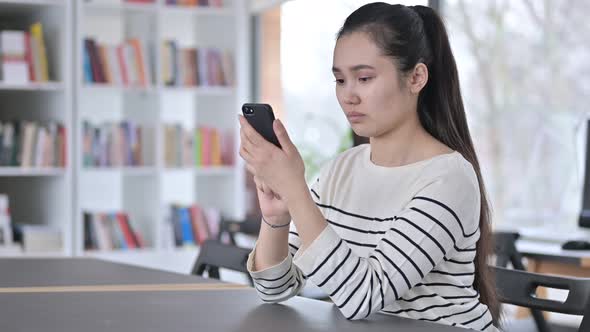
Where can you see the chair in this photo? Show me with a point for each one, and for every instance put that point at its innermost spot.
(506, 252)
(518, 288)
(232, 227)
(214, 255)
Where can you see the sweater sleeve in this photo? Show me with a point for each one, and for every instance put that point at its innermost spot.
(280, 282)
(440, 220)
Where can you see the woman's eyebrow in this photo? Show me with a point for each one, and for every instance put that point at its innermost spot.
(353, 68)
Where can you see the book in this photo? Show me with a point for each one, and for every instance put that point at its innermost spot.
(36, 31)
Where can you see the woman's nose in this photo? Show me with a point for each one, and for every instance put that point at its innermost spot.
(351, 97)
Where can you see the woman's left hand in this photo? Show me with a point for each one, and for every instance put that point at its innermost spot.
(282, 170)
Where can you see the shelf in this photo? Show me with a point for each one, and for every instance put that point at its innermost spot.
(121, 7)
(198, 11)
(215, 170)
(28, 3)
(202, 171)
(118, 252)
(21, 254)
(125, 170)
(99, 87)
(32, 171)
(202, 91)
(50, 86)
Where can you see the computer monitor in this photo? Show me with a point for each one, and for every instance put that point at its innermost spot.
(584, 220)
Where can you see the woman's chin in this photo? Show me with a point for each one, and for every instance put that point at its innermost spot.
(362, 132)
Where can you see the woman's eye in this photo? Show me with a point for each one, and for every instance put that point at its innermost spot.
(339, 81)
(365, 79)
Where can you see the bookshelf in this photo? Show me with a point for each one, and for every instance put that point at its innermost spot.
(145, 192)
(40, 195)
(58, 196)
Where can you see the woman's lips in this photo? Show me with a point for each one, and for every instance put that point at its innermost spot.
(355, 116)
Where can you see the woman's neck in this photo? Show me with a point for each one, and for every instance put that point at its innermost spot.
(404, 145)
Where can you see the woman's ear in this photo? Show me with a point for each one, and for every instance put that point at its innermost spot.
(418, 78)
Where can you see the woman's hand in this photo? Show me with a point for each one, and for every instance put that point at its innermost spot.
(273, 208)
(277, 171)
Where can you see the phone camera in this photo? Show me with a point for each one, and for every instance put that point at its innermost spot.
(248, 110)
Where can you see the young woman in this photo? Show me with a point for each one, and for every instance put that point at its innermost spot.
(398, 226)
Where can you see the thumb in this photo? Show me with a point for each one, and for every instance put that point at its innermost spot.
(282, 135)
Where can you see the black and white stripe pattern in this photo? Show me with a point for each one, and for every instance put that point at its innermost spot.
(417, 262)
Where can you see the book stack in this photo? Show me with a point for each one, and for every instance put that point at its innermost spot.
(192, 225)
(127, 64)
(196, 66)
(202, 147)
(113, 144)
(32, 144)
(23, 56)
(193, 3)
(110, 230)
(39, 238)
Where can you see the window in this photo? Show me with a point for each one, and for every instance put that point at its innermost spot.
(525, 84)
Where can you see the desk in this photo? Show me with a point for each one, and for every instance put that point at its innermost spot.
(222, 309)
(55, 272)
(219, 311)
(548, 257)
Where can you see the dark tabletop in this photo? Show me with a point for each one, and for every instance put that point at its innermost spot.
(46, 272)
(182, 311)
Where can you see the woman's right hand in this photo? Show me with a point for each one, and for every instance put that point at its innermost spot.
(273, 208)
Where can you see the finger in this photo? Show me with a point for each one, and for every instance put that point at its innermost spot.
(283, 136)
(246, 141)
(246, 155)
(267, 189)
(253, 136)
(251, 169)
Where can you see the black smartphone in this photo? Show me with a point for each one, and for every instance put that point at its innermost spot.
(261, 117)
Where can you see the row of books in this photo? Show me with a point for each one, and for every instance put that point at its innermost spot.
(127, 64)
(32, 144)
(196, 66)
(203, 146)
(192, 3)
(192, 225)
(113, 144)
(23, 56)
(110, 230)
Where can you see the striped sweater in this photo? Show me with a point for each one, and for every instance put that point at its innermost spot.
(400, 241)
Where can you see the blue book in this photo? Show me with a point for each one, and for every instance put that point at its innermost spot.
(87, 66)
(186, 226)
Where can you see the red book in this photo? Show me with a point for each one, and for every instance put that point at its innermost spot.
(127, 232)
(199, 223)
(122, 65)
(29, 56)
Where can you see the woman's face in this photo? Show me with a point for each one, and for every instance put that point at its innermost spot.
(368, 87)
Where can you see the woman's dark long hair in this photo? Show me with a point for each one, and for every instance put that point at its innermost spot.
(412, 35)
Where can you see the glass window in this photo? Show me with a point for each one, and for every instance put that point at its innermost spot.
(524, 77)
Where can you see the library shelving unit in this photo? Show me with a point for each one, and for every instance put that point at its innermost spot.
(146, 192)
(41, 196)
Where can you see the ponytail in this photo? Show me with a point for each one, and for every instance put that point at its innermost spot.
(441, 112)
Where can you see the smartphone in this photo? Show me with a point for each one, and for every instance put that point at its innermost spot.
(261, 117)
